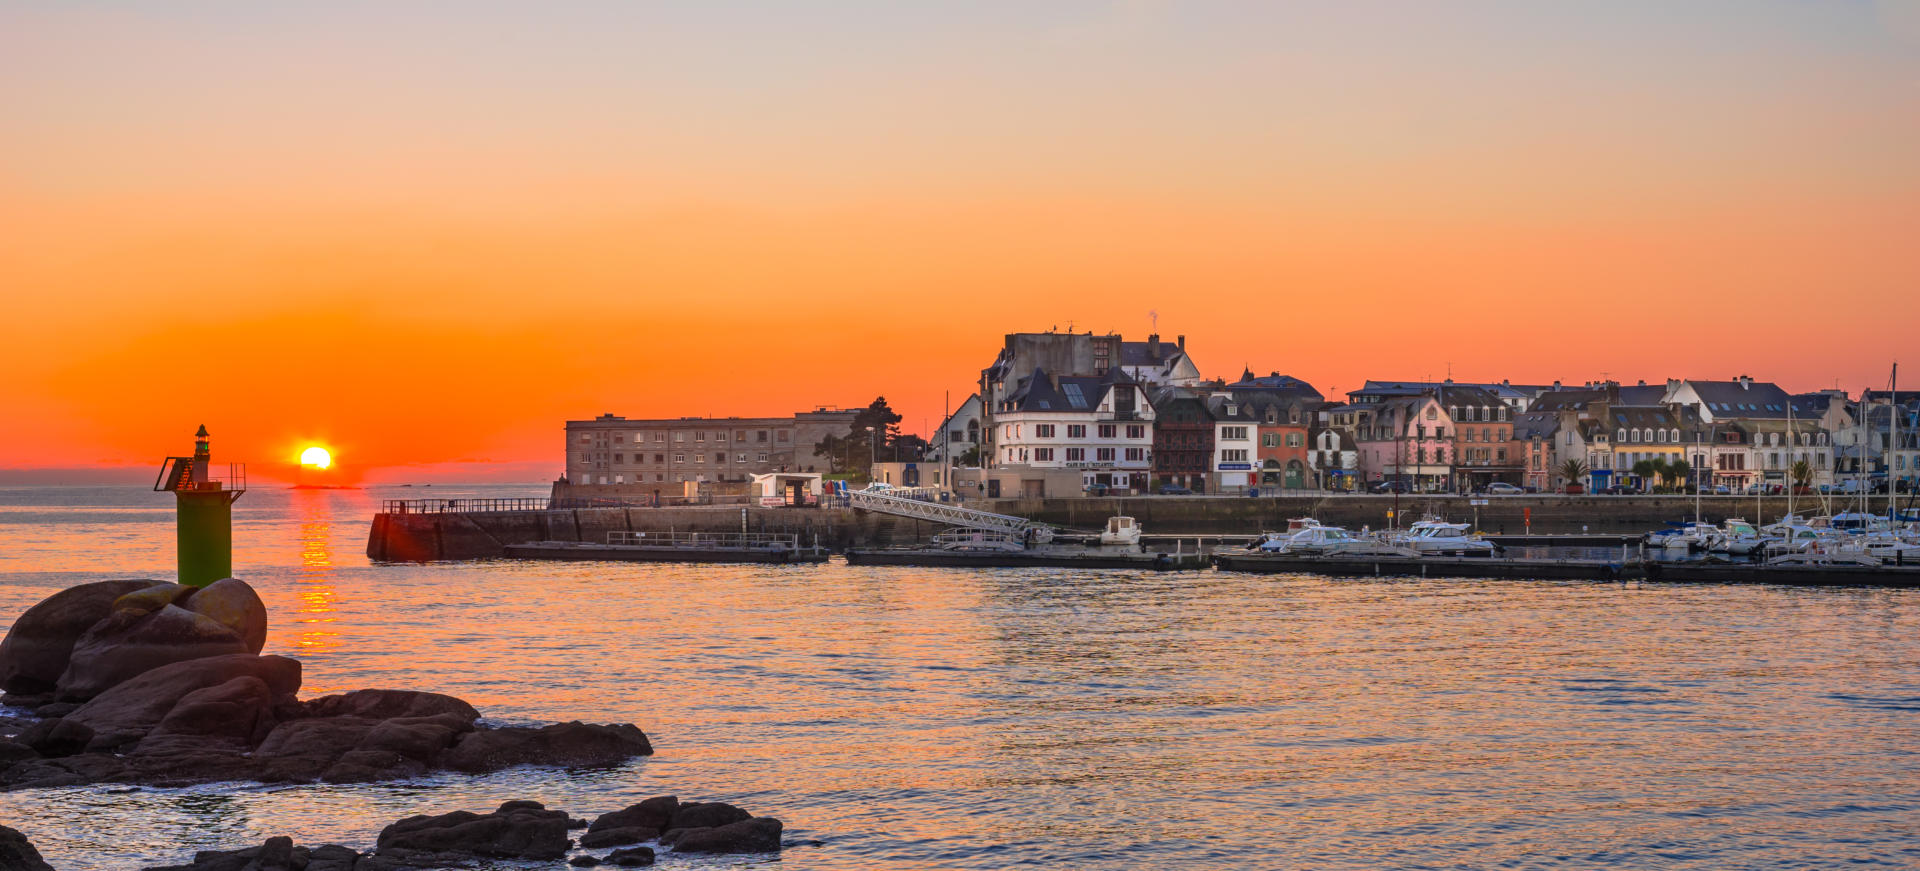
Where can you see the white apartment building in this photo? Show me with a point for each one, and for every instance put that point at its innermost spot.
(1101, 426)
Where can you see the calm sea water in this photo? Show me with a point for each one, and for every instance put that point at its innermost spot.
(913, 718)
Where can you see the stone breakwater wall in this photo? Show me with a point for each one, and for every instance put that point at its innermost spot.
(422, 537)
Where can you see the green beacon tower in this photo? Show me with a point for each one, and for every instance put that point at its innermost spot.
(204, 525)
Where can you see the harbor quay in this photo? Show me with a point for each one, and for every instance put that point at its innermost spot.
(403, 534)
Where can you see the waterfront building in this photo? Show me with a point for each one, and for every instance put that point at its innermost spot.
(1773, 435)
(1100, 426)
(638, 454)
(959, 436)
(1285, 410)
(1484, 449)
(1152, 364)
(1235, 435)
(1333, 459)
(1405, 438)
(1535, 435)
(1183, 434)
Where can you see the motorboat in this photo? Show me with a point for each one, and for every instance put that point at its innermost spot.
(1294, 526)
(1687, 536)
(1315, 539)
(1121, 530)
(1440, 537)
(1739, 538)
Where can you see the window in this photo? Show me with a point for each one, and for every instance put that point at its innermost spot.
(781, 435)
(1104, 455)
(741, 458)
(620, 458)
(679, 437)
(719, 458)
(1621, 436)
(719, 437)
(1076, 430)
(1234, 433)
(1107, 430)
(586, 439)
(679, 458)
(1076, 455)
(1469, 432)
(1043, 431)
(1295, 440)
(617, 439)
(659, 476)
(1044, 455)
(760, 436)
(1135, 455)
(1233, 455)
(700, 436)
(699, 458)
(763, 456)
(1136, 431)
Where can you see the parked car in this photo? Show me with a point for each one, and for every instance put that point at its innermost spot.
(1616, 491)
(1722, 490)
(1391, 487)
(1174, 490)
(1501, 488)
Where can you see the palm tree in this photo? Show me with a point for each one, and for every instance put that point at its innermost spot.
(1573, 471)
(1660, 471)
(1802, 472)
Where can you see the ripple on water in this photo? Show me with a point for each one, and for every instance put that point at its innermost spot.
(1045, 718)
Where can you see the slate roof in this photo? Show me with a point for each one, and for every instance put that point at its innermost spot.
(1527, 425)
(1038, 392)
(1568, 400)
(1758, 400)
(1274, 383)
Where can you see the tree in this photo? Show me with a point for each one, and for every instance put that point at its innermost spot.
(1802, 472)
(1573, 471)
(874, 430)
(971, 457)
(1660, 470)
(1643, 470)
(1680, 471)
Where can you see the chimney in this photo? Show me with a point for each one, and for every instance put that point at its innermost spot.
(1746, 382)
(1182, 341)
(1643, 382)
(1153, 346)
(1556, 384)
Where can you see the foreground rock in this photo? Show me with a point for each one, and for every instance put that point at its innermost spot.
(165, 687)
(18, 854)
(516, 831)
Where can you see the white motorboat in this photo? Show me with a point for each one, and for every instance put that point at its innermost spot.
(1315, 539)
(1687, 536)
(1440, 537)
(1121, 530)
(1740, 538)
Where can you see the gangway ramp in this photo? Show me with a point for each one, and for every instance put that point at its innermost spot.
(885, 502)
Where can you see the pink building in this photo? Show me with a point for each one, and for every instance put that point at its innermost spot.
(1406, 439)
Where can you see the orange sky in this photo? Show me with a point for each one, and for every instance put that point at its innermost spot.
(425, 241)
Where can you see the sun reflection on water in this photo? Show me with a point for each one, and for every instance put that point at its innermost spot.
(317, 592)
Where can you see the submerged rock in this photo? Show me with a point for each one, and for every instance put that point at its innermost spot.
(755, 835)
(516, 831)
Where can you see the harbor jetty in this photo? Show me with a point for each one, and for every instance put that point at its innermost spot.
(415, 530)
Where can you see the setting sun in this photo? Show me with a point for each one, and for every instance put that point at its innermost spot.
(317, 457)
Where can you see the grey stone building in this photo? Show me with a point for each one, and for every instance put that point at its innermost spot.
(614, 450)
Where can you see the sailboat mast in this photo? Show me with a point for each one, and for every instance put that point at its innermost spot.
(1893, 438)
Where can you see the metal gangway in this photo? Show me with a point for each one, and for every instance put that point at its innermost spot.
(890, 502)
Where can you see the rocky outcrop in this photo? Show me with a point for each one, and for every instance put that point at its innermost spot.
(169, 689)
(37, 648)
(83, 640)
(517, 831)
(18, 854)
